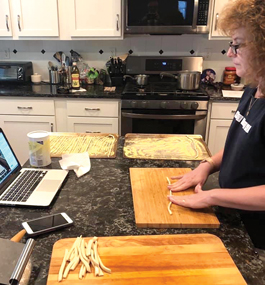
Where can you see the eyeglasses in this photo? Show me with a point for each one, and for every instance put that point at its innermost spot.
(234, 48)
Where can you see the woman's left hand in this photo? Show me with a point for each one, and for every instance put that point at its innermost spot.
(199, 200)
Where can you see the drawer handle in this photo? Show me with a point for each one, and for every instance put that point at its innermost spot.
(96, 132)
(7, 26)
(216, 21)
(233, 111)
(24, 108)
(18, 23)
(92, 109)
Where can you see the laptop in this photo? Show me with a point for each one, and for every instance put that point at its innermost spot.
(26, 186)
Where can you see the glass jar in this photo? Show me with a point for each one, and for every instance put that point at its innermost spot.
(229, 75)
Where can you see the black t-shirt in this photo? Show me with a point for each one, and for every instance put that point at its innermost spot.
(243, 163)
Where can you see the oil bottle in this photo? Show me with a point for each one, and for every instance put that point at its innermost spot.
(75, 75)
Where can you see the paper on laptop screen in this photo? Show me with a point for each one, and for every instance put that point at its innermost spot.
(8, 161)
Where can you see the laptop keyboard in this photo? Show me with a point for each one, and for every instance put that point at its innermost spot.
(24, 186)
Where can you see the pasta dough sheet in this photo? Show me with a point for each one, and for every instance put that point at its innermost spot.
(97, 145)
(170, 147)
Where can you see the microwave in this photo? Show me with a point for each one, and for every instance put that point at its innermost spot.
(167, 17)
(15, 71)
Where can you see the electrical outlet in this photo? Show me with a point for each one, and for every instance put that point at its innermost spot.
(7, 53)
(113, 51)
(208, 53)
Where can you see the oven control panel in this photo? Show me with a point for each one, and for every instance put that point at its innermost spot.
(166, 105)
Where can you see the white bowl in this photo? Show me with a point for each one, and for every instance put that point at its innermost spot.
(237, 87)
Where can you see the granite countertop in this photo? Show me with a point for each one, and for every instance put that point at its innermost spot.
(49, 90)
(100, 203)
(93, 91)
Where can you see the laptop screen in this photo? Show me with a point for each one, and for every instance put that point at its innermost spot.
(8, 161)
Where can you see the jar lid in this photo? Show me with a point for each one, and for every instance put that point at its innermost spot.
(230, 68)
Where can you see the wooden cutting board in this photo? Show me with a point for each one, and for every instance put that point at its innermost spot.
(149, 189)
(148, 260)
(162, 146)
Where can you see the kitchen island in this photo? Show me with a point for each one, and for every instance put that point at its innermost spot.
(100, 203)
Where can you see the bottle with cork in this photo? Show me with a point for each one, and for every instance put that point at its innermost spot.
(75, 76)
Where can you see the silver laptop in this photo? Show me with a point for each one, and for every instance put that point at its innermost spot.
(25, 186)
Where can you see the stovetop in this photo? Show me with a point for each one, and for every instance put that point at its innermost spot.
(161, 91)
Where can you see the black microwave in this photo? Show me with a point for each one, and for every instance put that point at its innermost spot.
(167, 17)
(15, 71)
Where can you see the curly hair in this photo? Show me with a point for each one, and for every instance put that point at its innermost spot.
(249, 14)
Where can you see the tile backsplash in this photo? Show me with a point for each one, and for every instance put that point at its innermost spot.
(41, 51)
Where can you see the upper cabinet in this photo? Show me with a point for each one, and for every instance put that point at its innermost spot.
(35, 18)
(5, 21)
(61, 19)
(90, 18)
(217, 9)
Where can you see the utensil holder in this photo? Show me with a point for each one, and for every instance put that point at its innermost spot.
(54, 76)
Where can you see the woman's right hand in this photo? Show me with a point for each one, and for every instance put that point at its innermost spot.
(196, 178)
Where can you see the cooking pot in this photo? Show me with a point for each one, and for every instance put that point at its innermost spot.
(186, 80)
(141, 79)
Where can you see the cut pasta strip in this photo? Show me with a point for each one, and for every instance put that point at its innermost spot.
(170, 192)
(86, 253)
(60, 276)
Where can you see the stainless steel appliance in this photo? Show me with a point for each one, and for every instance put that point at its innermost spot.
(160, 107)
(16, 71)
(167, 16)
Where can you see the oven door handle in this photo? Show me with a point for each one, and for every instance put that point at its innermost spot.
(163, 117)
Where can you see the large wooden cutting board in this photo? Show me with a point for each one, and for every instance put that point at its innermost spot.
(149, 189)
(154, 260)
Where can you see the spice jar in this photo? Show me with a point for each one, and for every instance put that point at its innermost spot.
(229, 75)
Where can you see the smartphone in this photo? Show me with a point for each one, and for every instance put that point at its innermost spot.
(47, 224)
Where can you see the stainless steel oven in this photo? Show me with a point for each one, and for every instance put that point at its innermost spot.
(159, 107)
(164, 117)
(167, 16)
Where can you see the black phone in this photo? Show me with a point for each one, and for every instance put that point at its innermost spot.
(47, 224)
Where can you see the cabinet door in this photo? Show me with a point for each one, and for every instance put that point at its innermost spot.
(90, 18)
(17, 127)
(92, 125)
(217, 134)
(36, 18)
(217, 9)
(5, 22)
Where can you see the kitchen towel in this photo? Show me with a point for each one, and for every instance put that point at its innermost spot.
(79, 162)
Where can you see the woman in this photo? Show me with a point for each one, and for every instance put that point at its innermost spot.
(242, 161)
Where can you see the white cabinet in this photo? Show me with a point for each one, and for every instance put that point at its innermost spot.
(92, 125)
(21, 116)
(61, 19)
(216, 10)
(221, 117)
(93, 116)
(5, 22)
(35, 18)
(90, 18)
